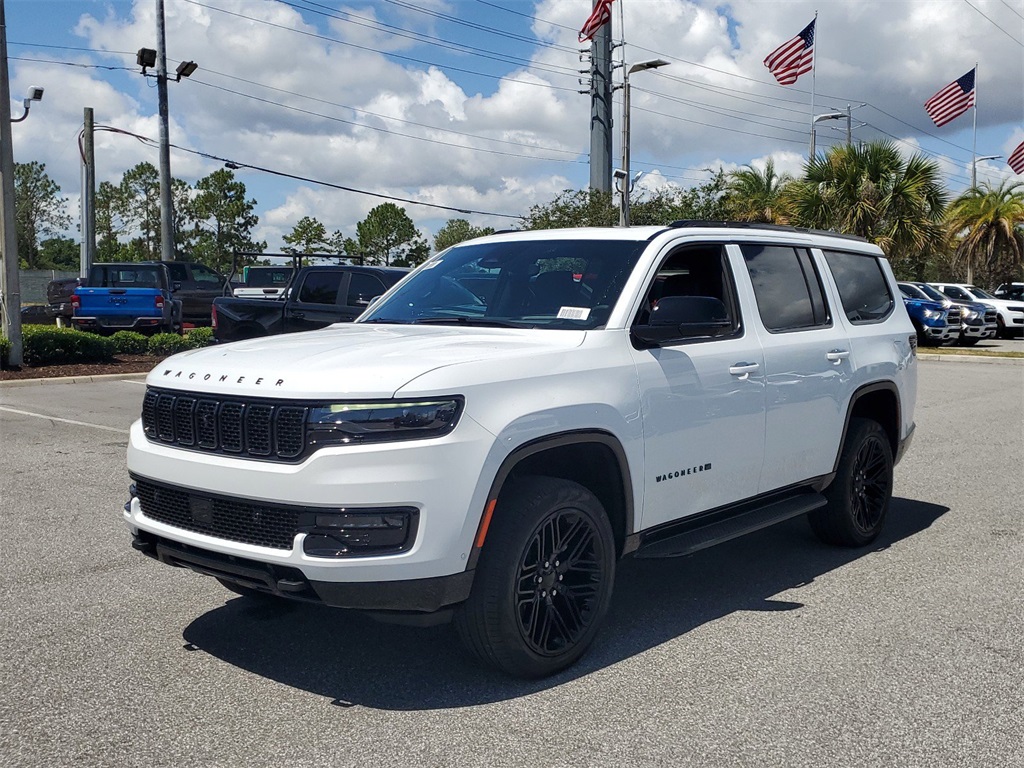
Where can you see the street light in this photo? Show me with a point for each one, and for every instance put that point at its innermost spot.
(974, 167)
(35, 93)
(623, 178)
(818, 119)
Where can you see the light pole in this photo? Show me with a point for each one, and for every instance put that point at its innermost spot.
(624, 176)
(146, 58)
(974, 167)
(827, 116)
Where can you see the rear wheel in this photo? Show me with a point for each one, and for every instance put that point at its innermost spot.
(858, 498)
(544, 580)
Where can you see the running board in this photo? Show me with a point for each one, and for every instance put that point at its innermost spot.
(688, 537)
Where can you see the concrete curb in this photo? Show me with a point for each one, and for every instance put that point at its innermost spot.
(70, 380)
(988, 359)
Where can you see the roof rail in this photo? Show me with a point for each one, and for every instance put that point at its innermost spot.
(682, 223)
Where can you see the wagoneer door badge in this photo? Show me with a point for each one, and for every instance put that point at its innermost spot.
(683, 472)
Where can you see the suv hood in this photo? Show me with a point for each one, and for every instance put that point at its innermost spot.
(356, 361)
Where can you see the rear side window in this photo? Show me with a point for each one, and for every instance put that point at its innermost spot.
(320, 287)
(363, 288)
(787, 287)
(862, 286)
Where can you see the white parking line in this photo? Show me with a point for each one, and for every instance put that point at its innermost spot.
(64, 421)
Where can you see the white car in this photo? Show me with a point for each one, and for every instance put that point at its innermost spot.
(1010, 313)
(496, 431)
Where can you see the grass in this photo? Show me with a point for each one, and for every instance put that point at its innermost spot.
(969, 351)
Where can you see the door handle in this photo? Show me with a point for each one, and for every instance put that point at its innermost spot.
(743, 370)
(838, 355)
(299, 315)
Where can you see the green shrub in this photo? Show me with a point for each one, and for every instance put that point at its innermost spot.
(130, 343)
(199, 337)
(164, 344)
(47, 345)
(5, 350)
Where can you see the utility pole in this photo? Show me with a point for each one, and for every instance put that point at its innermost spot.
(166, 203)
(88, 252)
(601, 109)
(10, 287)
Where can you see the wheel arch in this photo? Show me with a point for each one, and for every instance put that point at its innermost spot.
(880, 402)
(593, 458)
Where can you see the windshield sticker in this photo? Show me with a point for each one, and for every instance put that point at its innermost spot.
(573, 313)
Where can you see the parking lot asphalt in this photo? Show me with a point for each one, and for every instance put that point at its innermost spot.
(772, 650)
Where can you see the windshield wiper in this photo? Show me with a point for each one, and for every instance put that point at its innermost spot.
(461, 320)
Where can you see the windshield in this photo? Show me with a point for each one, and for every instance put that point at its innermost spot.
(563, 284)
(980, 293)
(933, 293)
(912, 291)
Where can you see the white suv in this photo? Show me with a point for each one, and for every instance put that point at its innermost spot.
(524, 409)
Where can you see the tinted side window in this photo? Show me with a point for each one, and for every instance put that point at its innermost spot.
(956, 293)
(203, 274)
(320, 287)
(179, 272)
(862, 287)
(786, 285)
(362, 288)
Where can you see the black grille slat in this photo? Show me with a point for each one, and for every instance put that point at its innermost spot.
(257, 429)
(231, 427)
(184, 427)
(261, 525)
(206, 424)
(260, 430)
(165, 418)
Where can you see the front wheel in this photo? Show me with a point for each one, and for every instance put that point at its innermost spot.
(544, 580)
(968, 341)
(858, 498)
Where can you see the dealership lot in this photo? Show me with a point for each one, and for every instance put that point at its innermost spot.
(773, 650)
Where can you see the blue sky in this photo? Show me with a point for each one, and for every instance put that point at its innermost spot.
(473, 104)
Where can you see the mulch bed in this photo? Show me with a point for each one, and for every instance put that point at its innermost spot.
(120, 364)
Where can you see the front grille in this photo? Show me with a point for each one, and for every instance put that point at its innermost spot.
(991, 316)
(248, 429)
(954, 317)
(261, 525)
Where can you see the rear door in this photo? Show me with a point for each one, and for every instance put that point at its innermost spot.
(807, 365)
(319, 300)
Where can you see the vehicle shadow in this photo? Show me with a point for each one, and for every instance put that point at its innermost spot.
(355, 661)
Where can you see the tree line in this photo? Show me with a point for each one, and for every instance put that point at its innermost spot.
(869, 190)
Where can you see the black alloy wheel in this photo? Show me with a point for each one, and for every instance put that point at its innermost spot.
(560, 577)
(544, 579)
(859, 496)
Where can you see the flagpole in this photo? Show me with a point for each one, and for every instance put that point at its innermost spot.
(974, 145)
(814, 74)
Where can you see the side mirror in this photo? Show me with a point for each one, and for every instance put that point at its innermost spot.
(676, 318)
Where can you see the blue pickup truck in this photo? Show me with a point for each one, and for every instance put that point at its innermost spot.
(931, 320)
(127, 297)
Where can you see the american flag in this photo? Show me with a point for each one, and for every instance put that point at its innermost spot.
(952, 101)
(794, 57)
(602, 15)
(1016, 159)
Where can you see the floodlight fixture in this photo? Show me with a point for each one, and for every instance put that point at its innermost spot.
(185, 69)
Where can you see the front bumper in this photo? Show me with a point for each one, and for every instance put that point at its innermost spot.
(403, 597)
(943, 333)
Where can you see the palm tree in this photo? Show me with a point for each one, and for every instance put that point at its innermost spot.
(989, 222)
(753, 195)
(872, 191)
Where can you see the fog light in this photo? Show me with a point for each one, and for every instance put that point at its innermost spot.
(363, 533)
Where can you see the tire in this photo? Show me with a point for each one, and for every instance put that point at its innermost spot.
(923, 340)
(968, 342)
(859, 496)
(1001, 332)
(544, 579)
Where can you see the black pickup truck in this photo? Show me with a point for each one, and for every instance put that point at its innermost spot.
(316, 298)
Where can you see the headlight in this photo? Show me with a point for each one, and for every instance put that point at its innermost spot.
(333, 423)
(933, 314)
(969, 314)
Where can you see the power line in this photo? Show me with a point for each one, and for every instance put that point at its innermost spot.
(994, 24)
(284, 174)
